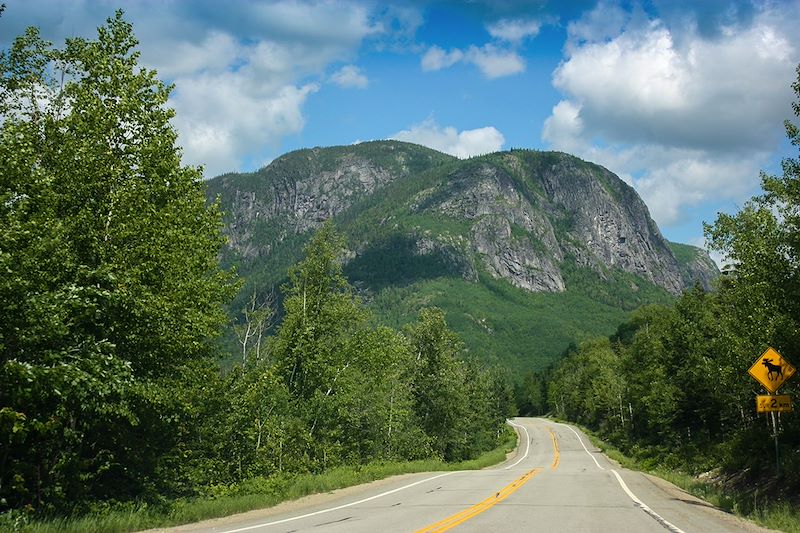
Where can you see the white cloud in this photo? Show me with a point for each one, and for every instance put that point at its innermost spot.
(684, 120)
(493, 61)
(437, 59)
(605, 21)
(237, 97)
(564, 128)
(243, 73)
(641, 86)
(236, 119)
(350, 76)
(462, 144)
(514, 30)
(213, 53)
(688, 178)
(247, 105)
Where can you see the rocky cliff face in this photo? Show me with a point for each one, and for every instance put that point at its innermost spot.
(296, 193)
(516, 215)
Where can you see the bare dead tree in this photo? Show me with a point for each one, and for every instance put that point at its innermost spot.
(259, 317)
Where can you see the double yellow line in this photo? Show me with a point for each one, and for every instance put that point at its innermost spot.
(459, 518)
(556, 454)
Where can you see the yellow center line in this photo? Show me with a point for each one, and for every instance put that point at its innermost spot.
(461, 517)
(556, 454)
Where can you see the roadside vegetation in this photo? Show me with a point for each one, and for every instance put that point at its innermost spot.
(671, 388)
(114, 413)
(237, 497)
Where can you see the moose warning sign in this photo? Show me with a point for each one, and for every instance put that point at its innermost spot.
(771, 370)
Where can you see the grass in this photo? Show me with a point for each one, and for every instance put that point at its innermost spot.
(257, 493)
(777, 515)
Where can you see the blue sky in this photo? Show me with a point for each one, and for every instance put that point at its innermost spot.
(684, 100)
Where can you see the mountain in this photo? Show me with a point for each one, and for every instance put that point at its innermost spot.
(527, 251)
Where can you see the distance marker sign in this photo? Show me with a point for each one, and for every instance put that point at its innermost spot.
(778, 404)
(771, 370)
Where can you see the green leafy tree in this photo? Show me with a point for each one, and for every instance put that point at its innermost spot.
(348, 379)
(531, 394)
(762, 242)
(441, 400)
(312, 349)
(682, 370)
(110, 279)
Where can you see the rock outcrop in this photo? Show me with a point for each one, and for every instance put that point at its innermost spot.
(516, 215)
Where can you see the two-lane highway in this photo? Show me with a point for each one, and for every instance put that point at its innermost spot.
(556, 481)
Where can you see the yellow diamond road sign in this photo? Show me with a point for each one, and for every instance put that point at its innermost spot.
(771, 370)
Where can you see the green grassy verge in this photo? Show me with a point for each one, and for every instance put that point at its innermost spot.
(256, 493)
(781, 516)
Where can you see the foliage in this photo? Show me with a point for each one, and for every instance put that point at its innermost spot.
(110, 283)
(231, 498)
(499, 323)
(112, 295)
(395, 274)
(671, 387)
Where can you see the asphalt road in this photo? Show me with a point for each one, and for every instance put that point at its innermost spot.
(556, 481)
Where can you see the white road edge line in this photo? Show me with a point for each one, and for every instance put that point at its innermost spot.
(266, 524)
(658, 518)
(582, 444)
(527, 444)
(661, 520)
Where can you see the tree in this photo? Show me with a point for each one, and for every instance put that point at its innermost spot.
(762, 241)
(438, 383)
(311, 348)
(259, 317)
(348, 379)
(110, 279)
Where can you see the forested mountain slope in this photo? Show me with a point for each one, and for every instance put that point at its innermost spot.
(527, 251)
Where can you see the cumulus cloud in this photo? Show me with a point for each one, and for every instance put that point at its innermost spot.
(238, 119)
(449, 140)
(211, 54)
(237, 98)
(350, 76)
(242, 74)
(493, 61)
(437, 59)
(246, 107)
(683, 118)
(514, 30)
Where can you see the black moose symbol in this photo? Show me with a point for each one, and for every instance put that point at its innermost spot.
(773, 371)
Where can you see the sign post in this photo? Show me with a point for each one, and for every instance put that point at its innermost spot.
(772, 371)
